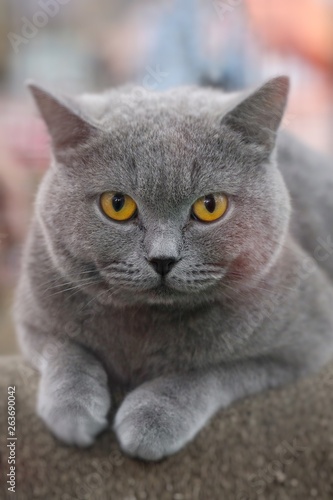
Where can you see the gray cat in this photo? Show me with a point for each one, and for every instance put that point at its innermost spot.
(164, 261)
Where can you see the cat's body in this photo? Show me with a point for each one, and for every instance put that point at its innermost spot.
(248, 303)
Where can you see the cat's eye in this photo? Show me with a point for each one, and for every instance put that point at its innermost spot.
(210, 207)
(118, 206)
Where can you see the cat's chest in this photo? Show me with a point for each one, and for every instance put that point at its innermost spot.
(137, 347)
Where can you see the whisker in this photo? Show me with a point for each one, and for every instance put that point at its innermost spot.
(77, 282)
(77, 286)
(49, 282)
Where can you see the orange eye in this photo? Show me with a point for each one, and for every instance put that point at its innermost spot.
(118, 206)
(210, 207)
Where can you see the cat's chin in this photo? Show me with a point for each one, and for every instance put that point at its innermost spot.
(161, 295)
(164, 295)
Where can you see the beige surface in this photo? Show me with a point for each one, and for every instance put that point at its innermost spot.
(8, 344)
(276, 446)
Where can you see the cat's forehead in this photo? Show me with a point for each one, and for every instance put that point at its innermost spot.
(131, 101)
(163, 161)
(157, 159)
(166, 148)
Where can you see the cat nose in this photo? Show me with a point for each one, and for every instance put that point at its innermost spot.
(163, 265)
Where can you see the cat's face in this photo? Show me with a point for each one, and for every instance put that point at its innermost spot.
(149, 168)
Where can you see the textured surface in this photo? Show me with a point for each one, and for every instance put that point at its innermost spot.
(278, 445)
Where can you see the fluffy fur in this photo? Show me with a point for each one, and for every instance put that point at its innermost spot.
(248, 305)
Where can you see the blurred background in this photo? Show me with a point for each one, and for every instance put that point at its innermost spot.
(88, 45)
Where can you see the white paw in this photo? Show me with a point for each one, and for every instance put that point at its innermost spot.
(77, 413)
(73, 425)
(150, 427)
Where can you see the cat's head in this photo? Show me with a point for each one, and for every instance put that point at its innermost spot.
(164, 197)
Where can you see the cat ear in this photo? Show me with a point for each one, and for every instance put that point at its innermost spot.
(258, 117)
(65, 123)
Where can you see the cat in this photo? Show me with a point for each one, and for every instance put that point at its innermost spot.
(174, 255)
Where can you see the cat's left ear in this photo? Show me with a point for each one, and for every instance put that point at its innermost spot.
(66, 124)
(257, 118)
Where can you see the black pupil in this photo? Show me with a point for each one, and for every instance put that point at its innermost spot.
(210, 203)
(118, 201)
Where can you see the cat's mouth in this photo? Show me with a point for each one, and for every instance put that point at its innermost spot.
(176, 288)
(163, 288)
(130, 283)
(165, 294)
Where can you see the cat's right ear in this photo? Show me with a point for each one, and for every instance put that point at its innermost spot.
(257, 118)
(66, 124)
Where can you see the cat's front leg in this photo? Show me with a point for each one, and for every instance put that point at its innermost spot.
(73, 398)
(159, 417)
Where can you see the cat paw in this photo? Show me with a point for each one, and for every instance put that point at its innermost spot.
(74, 411)
(151, 427)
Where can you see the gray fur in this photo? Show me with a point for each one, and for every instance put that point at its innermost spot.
(248, 306)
